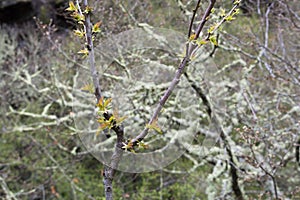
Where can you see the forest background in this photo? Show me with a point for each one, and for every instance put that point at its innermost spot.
(251, 75)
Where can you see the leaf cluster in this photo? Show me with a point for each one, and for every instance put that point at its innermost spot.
(79, 16)
(103, 119)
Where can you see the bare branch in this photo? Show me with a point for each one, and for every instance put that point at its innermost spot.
(90, 47)
(179, 72)
(119, 130)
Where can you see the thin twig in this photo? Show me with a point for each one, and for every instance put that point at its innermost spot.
(90, 47)
(119, 130)
(205, 18)
(193, 17)
(272, 176)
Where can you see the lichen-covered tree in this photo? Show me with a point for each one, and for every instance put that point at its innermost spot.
(242, 110)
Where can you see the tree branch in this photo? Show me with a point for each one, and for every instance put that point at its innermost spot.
(233, 170)
(90, 47)
(179, 72)
(119, 130)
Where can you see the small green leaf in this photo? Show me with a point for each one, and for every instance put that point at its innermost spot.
(154, 126)
(100, 104)
(229, 18)
(132, 150)
(96, 27)
(158, 130)
(211, 29)
(103, 103)
(128, 146)
(107, 102)
(236, 11)
(88, 9)
(222, 12)
(142, 145)
(101, 120)
(192, 37)
(118, 119)
(88, 87)
(104, 125)
(201, 42)
(84, 52)
(71, 7)
(236, 2)
(78, 17)
(213, 40)
(111, 119)
(79, 33)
